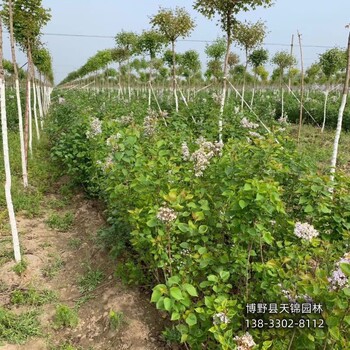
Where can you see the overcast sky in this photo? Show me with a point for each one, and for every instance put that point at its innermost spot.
(321, 23)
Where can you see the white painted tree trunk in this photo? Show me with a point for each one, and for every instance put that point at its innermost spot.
(41, 114)
(340, 117)
(13, 224)
(30, 119)
(21, 135)
(35, 112)
(325, 110)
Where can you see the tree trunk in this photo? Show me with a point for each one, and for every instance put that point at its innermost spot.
(301, 88)
(18, 98)
(340, 116)
(244, 79)
(35, 111)
(224, 83)
(10, 209)
(325, 109)
(174, 77)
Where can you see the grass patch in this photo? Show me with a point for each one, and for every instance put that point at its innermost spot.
(116, 319)
(53, 268)
(18, 328)
(74, 243)
(65, 317)
(32, 297)
(20, 267)
(60, 223)
(6, 251)
(90, 281)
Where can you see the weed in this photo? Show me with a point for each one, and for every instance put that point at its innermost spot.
(60, 223)
(90, 281)
(65, 317)
(74, 243)
(57, 203)
(32, 297)
(20, 267)
(82, 300)
(18, 328)
(52, 270)
(6, 253)
(115, 319)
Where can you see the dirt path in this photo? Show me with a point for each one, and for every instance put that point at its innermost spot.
(81, 274)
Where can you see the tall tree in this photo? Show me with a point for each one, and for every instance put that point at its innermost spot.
(127, 41)
(216, 52)
(173, 24)
(150, 42)
(283, 60)
(331, 62)
(29, 17)
(8, 14)
(248, 36)
(11, 212)
(341, 112)
(227, 12)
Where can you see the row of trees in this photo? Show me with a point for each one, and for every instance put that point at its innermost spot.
(24, 20)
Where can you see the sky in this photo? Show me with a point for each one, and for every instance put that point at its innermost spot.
(321, 23)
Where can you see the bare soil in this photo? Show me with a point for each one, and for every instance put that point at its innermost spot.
(142, 324)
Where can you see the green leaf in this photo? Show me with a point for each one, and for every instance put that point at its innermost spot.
(225, 275)
(247, 187)
(267, 344)
(191, 319)
(173, 280)
(176, 293)
(345, 268)
(183, 227)
(347, 319)
(152, 223)
(347, 291)
(191, 290)
(334, 332)
(259, 197)
(175, 316)
(155, 296)
(267, 237)
(168, 304)
(242, 203)
(203, 229)
(308, 209)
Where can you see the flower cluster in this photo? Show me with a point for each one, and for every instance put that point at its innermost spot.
(220, 317)
(166, 214)
(245, 342)
(338, 278)
(106, 164)
(283, 119)
(255, 134)
(126, 119)
(217, 97)
(305, 231)
(245, 123)
(185, 151)
(201, 157)
(293, 299)
(112, 141)
(150, 123)
(95, 128)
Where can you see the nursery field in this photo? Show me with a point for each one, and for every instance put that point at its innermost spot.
(217, 234)
(174, 190)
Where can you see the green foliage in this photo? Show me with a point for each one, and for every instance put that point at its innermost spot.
(29, 17)
(150, 42)
(207, 244)
(90, 280)
(32, 296)
(17, 328)
(61, 223)
(217, 49)
(249, 35)
(258, 57)
(173, 24)
(20, 267)
(116, 319)
(333, 61)
(53, 268)
(65, 317)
